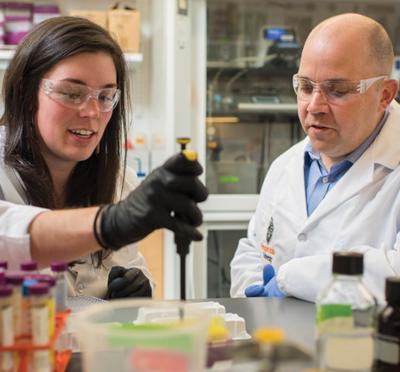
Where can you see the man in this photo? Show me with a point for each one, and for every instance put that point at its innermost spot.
(337, 189)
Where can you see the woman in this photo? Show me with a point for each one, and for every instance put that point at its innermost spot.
(64, 127)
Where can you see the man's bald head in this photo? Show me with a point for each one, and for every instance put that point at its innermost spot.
(367, 34)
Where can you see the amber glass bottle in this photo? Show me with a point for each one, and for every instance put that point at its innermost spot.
(387, 343)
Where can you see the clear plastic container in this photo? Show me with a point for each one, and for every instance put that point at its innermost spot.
(111, 341)
(345, 318)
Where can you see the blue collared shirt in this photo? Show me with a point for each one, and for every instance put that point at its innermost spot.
(318, 181)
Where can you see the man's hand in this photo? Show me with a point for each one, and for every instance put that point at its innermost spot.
(167, 198)
(269, 288)
(124, 282)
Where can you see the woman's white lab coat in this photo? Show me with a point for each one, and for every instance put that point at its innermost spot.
(15, 218)
(361, 213)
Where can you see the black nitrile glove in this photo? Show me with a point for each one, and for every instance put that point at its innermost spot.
(127, 283)
(167, 198)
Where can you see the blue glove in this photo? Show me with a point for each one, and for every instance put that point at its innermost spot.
(269, 288)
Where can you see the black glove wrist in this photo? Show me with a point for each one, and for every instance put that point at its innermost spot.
(96, 229)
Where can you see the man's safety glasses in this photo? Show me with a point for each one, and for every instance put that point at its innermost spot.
(335, 90)
(74, 95)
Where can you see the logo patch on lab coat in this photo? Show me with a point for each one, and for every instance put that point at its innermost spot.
(270, 230)
(268, 251)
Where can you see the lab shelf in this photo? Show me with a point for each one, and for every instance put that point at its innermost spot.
(285, 108)
(7, 53)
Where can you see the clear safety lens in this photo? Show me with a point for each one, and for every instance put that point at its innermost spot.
(335, 91)
(73, 95)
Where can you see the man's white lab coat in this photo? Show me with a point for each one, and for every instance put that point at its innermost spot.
(361, 213)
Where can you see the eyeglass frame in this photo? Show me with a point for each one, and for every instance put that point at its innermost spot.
(48, 84)
(362, 85)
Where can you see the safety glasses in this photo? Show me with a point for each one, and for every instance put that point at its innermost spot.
(335, 91)
(74, 95)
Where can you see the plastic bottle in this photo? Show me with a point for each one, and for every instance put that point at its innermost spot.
(39, 294)
(6, 327)
(141, 155)
(345, 314)
(387, 343)
(59, 270)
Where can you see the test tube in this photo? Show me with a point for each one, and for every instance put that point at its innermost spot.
(26, 306)
(51, 303)
(16, 280)
(59, 270)
(39, 294)
(6, 327)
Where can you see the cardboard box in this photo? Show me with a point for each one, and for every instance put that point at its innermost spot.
(124, 26)
(96, 16)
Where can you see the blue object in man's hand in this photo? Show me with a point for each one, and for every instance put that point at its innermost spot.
(269, 288)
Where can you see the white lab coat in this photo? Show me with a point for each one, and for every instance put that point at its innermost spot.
(15, 218)
(361, 213)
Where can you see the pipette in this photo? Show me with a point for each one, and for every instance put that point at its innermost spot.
(182, 242)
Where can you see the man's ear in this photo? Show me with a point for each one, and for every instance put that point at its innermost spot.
(389, 92)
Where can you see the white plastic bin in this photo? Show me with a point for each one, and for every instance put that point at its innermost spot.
(111, 340)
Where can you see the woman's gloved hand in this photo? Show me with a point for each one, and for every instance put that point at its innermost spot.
(124, 282)
(171, 190)
(269, 288)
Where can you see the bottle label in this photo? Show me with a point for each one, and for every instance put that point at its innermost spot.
(334, 317)
(387, 349)
(339, 340)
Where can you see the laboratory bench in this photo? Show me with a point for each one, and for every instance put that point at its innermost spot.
(295, 317)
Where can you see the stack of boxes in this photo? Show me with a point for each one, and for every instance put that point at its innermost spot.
(18, 17)
(123, 23)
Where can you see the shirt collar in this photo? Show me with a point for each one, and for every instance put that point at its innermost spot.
(310, 154)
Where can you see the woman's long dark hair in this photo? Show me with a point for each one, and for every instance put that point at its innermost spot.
(94, 180)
